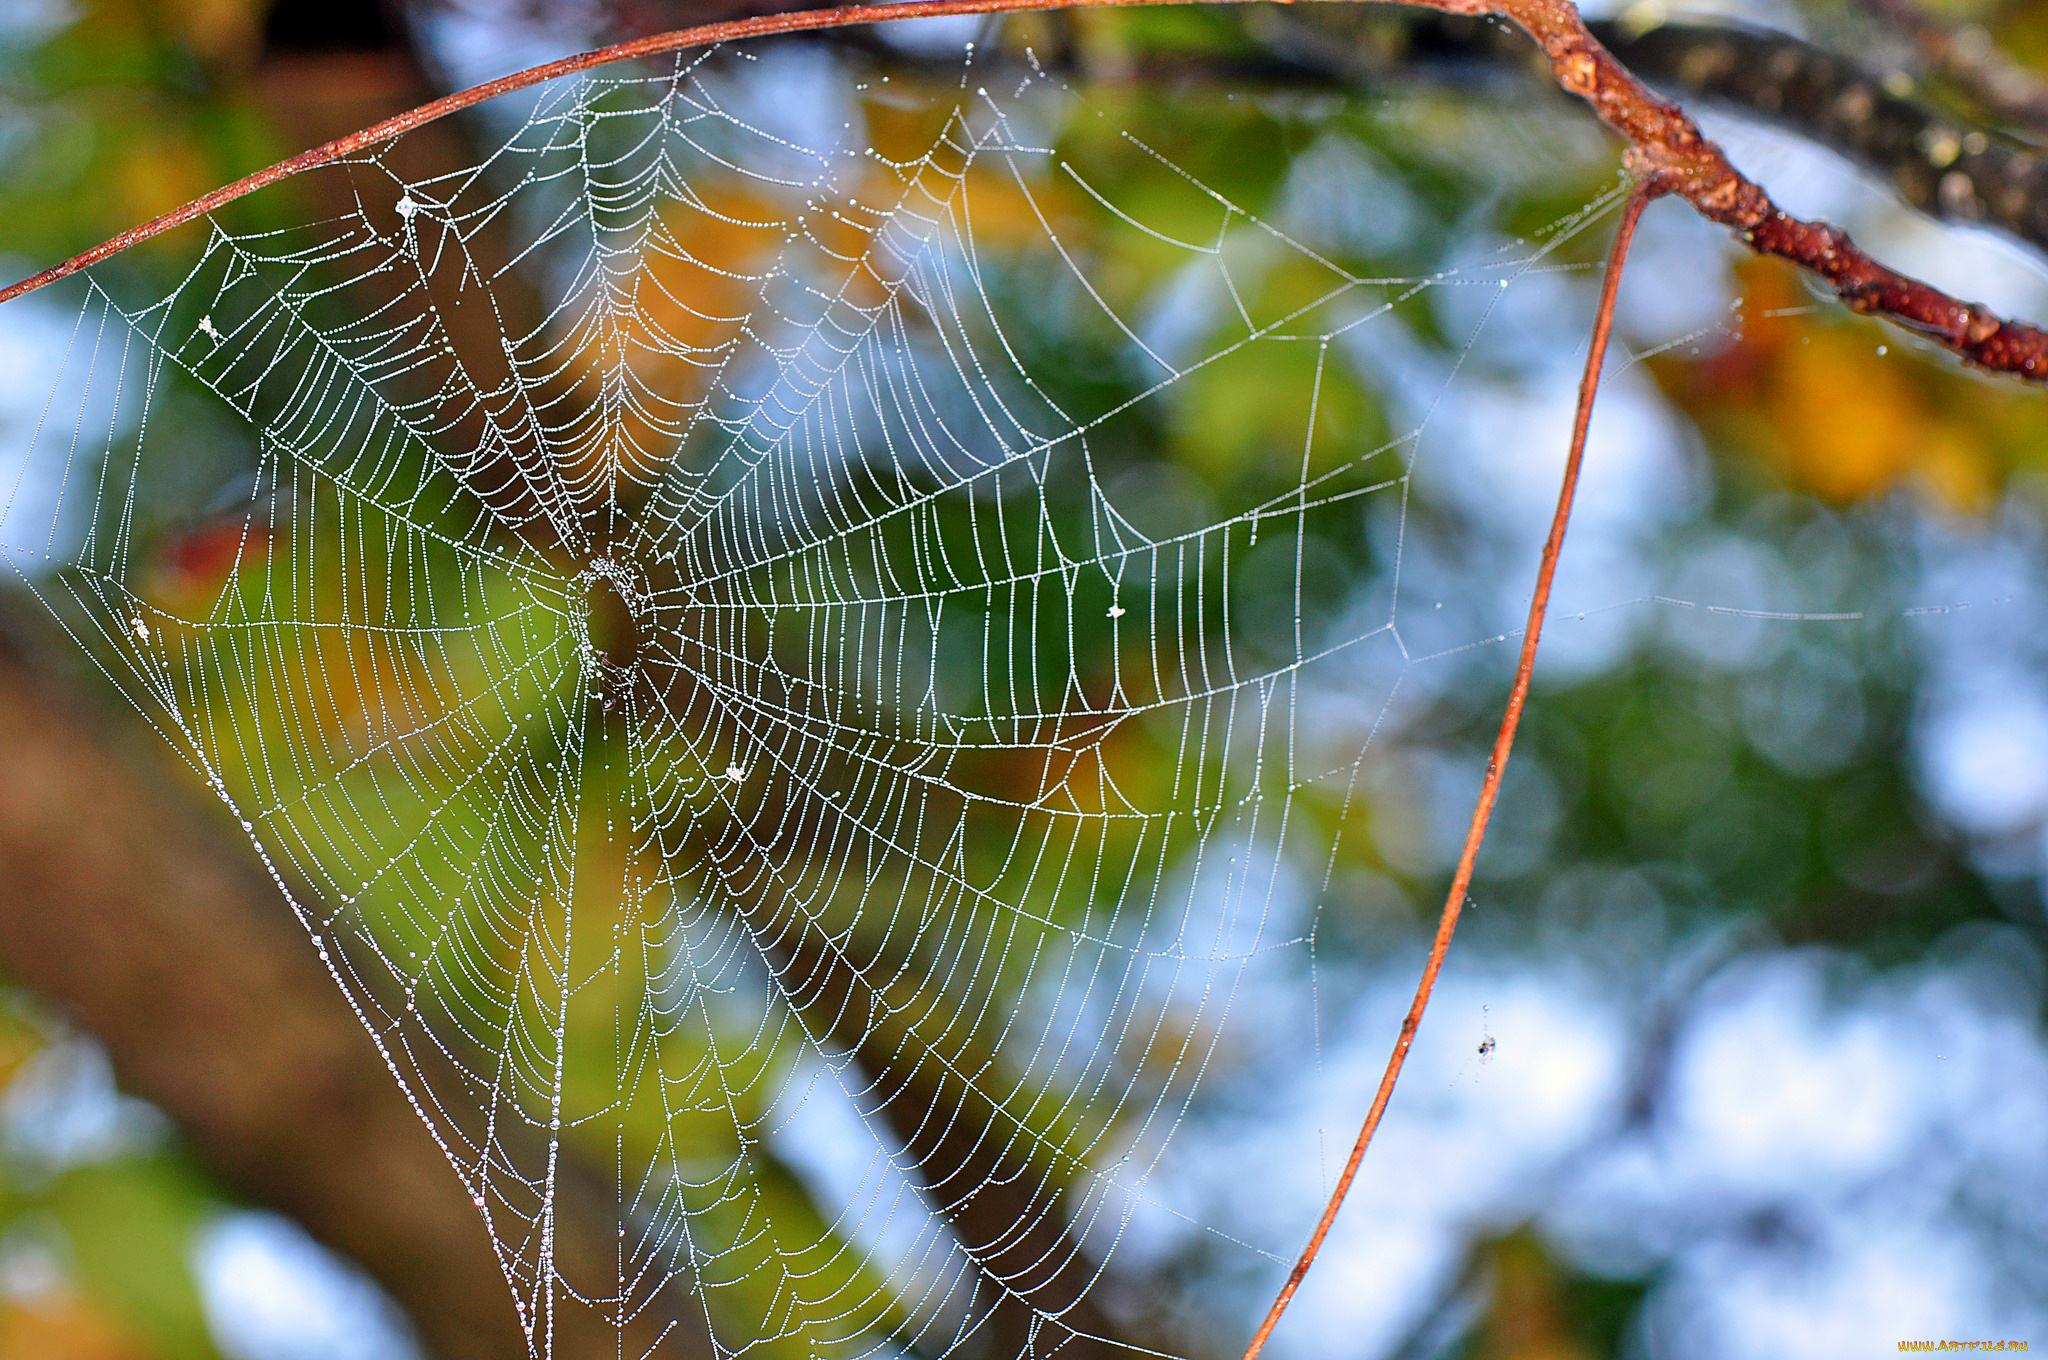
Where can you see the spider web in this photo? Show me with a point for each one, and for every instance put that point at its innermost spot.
(705, 628)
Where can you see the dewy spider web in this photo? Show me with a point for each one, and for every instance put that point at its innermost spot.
(702, 628)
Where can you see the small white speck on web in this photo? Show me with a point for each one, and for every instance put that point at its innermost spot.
(206, 328)
(406, 207)
(140, 628)
(1116, 611)
(736, 773)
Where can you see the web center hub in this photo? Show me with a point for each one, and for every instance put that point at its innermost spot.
(613, 626)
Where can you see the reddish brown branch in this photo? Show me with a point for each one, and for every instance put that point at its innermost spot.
(1945, 166)
(1503, 743)
(1665, 142)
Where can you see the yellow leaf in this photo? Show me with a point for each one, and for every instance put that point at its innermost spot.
(1850, 425)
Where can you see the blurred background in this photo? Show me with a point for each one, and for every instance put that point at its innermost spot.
(1740, 1051)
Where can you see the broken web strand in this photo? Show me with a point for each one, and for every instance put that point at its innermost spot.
(816, 819)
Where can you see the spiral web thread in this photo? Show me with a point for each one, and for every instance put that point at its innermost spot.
(689, 667)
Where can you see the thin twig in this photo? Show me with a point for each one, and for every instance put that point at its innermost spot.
(1503, 742)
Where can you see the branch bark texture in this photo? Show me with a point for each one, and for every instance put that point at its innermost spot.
(1939, 164)
(1666, 144)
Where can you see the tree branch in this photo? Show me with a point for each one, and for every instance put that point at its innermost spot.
(1939, 164)
(1949, 167)
(153, 926)
(966, 1152)
(1965, 56)
(1663, 142)
(928, 1076)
